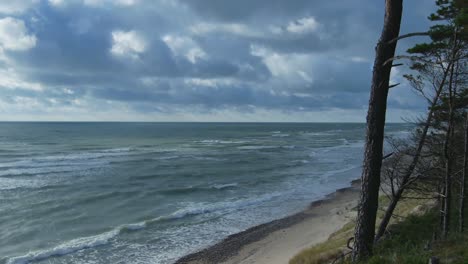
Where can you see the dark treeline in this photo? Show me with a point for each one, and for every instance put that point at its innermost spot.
(432, 165)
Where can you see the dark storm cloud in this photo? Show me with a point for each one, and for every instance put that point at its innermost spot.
(297, 55)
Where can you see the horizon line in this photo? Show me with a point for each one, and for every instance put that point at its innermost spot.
(233, 122)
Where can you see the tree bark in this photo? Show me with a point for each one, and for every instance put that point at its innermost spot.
(461, 213)
(448, 162)
(370, 179)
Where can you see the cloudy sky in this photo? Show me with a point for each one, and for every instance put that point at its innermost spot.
(196, 60)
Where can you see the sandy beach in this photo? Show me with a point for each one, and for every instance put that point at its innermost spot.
(278, 241)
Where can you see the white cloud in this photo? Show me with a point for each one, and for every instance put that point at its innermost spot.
(285, 66)
(10, 79)
(303, 25)
(276, 30)
(14, 35)
(213, 83)
(184, 46)
(232, 28)
(103, 2)
(16, 6)
(359, 59)
(127, 44)
(56, 2)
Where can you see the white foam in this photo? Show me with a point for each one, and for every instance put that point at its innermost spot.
(256, 147)
(39, 170)
(11, 184)
(217, 141)
(289, 147)
(334, 172)
(66, 248)
(135, 226)
(203, 208)
(168, 157)
(345, 144)
(78, 244)
(301, 161)
(224, 186)
(345, 141)
(280, 135)
(66, 162)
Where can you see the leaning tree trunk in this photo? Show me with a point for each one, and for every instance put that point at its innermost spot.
(448, 163)
(447, 182)
(410, 169)
(385, 51)
(461, 213)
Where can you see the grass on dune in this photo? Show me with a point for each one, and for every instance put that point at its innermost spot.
(410, 233)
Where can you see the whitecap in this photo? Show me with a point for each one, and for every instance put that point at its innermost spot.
(224, 186)
(66, 248)
(81, 243)
(168, 157)
(204, 208)
(217, 141)
(256, 147)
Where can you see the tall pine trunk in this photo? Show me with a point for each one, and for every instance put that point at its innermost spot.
(448, 161)
(461, 213)
(370, 179)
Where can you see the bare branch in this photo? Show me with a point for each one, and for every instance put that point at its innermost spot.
(407, 36)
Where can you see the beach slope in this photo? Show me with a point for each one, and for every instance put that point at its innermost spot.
(278, 241)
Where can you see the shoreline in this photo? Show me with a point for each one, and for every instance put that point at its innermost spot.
(277, 241)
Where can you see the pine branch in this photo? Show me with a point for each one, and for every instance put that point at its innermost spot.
(407, 36)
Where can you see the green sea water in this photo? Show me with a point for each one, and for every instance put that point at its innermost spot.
(153, 192)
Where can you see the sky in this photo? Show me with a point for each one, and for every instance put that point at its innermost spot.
(197, 60)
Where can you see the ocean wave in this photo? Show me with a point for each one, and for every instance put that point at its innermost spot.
(225, 186)
(344, 144)
(300, 161)
(217, 141)
(63, 158)
(168, 157)
(87, 155)
(207, 158)
(38, 160)
(322, 133)
(66, 162)
(289, 147)
(12, 184)
(344, 140)
(82, 243)
(280, 135)
(313, 134)
(256, 147)
(334, 172)
(192, 189)
(66, 248)
(204, 208)
(41, 170)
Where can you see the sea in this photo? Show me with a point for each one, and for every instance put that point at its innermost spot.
(154, 192)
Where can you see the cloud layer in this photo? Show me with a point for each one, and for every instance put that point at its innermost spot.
(195, 60)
